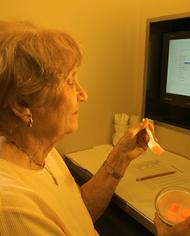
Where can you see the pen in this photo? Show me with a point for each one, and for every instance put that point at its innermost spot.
(155, 176)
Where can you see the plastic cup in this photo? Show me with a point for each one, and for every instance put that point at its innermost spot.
(173, 204)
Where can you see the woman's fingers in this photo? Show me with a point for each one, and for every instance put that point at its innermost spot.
(136, 129)
(182, 228)
(161, 228)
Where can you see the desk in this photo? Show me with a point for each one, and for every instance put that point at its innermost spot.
(133, 197)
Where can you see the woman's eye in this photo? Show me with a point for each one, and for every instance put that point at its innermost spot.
(71, 82)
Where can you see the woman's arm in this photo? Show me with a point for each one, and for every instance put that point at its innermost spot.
(98, 191)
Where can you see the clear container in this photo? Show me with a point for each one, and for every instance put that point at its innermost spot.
(173, 204)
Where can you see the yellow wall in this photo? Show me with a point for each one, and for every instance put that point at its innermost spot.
(112, 34)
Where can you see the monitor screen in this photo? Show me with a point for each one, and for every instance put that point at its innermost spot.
(178, 71)
(175, 79)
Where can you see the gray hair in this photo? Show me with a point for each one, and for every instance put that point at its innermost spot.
(33, 61)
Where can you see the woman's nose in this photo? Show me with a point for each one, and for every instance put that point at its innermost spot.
(82, 95)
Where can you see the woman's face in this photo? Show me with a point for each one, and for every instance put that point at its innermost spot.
(62, 118)
(71, 95)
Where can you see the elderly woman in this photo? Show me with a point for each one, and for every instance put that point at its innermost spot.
(39, 103)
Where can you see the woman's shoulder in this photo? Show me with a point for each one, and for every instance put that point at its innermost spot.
(57, 160)
(14, 194)
(55, 154)
(23, 212)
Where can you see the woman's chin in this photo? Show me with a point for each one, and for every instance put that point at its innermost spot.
(72, 129)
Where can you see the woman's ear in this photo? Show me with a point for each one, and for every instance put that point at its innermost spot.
(21, 110)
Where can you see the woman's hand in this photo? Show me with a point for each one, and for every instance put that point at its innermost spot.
(134, 142)
(180, 229)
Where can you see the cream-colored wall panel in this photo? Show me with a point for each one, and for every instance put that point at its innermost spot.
(174, 140)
